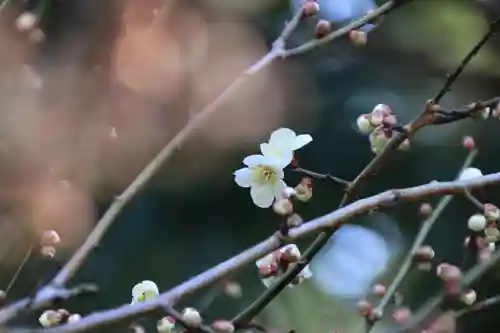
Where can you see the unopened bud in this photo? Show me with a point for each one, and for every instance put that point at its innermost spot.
(491, 234)
(468, 297)
(468, 143)
(50, 238)
(425, 209)
(358, 38)
(364, 307)
(424, 253)
(382, 108)
(165, 325)
(232, 289)
(26, 21)
(304, 189)
(323, 28)
(294, 221)
(48, 251)
(283, 207)
(50, 318)
(191, 317)
(74, 318)
(223, 326)
(449, 272)
(476, 222)
(491, 212)
(379, 290)
(401, 315)
(310, 8)
(375, 315)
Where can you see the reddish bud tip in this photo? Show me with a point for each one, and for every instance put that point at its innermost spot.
(468, 143)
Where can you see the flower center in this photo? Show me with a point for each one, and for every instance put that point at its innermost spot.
(265, 174)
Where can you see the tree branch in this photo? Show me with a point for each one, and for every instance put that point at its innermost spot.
(426, 118)
(230, 266)
(277, 51)
(419, 240)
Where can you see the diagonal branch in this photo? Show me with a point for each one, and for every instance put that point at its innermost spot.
(92, 241)
(230, 266)
(419, 240)
(426, 118)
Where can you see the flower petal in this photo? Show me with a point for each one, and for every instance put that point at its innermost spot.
(262, 196)
(301, 140)
(244, 177)
(279, 189)
(266, 260)
(283, 138)
(253, 160)
(278, 156)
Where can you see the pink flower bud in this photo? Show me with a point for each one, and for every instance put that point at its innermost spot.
(491, 212)
(379, 290)
(449, 273)
(401, 315)
(310, 8)
(468, 143)
(358, 38)
(283, 207)
(223, 326)
(323, 28)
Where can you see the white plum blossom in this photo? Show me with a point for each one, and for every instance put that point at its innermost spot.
(143, 291)
(470, 173)
(282, 143)
(272, 260)
(264, 176)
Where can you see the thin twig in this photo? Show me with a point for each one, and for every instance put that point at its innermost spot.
(230, 266)
(475, 201)
(277, 51)
(419, 240)
(427, 117)
(385, 9)
(479, 306)
(19, 269)
(321, 176)
(494, 26)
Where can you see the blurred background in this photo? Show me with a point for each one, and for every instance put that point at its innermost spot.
(91, 90)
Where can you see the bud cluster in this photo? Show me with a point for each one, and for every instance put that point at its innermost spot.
(379, 124)
(275, 264)
(51, 318)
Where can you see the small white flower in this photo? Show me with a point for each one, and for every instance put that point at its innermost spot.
(49, 318)
(74, 318)
(264, 177)
(282, 143)
(470, 173)
(476, 222)
(165, 324)
(271, 259)
(143, 291)
(191, 317)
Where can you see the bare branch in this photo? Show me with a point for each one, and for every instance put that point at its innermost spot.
(419, 241)
(230, 266)
(427, 117)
